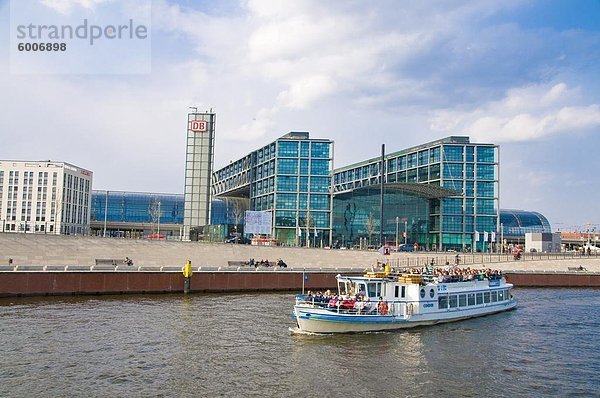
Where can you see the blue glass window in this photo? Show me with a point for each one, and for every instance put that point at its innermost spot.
(319, 167)
(286, 200)
(485, 206)
(319, 184)
(452, 223)
(453, 153)
(287, 183)
(434, 155)
(469, 206)
(485, 189)
(285, 218)
(456, 185)
(470, 154)
(485, 154)
(319, 202)
(423, 173)
(434, 171)
(303, 184)
(402, 163)
(304, 166)
(485, 224)
(287, 148)
(452, 205)
(423, 158)
(320, 150)
(411, 160)
(485, 171)
(304, 149)
(453, 170)
(470, 171)
(303, 201)
(391, 166)
(287, 166)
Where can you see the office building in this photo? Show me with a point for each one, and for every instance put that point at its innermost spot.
(44, 197)
(440, 195)
(290, 178)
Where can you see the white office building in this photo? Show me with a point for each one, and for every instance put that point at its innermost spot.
(44, 197)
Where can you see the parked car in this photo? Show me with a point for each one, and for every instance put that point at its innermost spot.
(406, 248)
(238, 239)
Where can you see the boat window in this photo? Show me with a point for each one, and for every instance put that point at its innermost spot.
(506, 294)
(500, 295)
(486, 297)
(431, 293)
(479, 298)
(374, 289)
(342, 288)
(494, 296)
(471, 299)
(462, 300)
(403, 292)
(362, 289)
(396, 291)
(453, 301)
(442, 302)
(422, 293)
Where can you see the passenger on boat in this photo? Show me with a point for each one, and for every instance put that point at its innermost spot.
(382, 307)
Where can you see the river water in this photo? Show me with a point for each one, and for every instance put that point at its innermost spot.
(238, 345)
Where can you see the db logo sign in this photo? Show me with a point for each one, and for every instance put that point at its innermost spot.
(198, 125)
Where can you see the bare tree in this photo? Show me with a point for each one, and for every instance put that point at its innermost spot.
(154, 212)
(238, 208)
(370, 226)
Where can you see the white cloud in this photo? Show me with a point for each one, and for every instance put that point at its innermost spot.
(525, 113)
(66, 6)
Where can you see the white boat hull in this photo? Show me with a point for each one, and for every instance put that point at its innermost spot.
(321, 320)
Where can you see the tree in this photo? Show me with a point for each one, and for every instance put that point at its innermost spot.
(370, 226)
(154, 212)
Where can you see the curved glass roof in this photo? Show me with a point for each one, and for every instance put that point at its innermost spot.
(518, 222)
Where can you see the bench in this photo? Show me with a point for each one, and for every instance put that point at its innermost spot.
(580, 268)
(237, 263)
(110, 261)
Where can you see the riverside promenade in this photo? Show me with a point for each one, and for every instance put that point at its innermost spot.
(59, 265)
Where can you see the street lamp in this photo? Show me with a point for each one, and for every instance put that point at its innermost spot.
(405, 231)
(397, 221)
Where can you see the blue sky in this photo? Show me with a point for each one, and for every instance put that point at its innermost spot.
(522, 74)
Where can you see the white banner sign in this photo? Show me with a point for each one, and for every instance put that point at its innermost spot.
(258, 222)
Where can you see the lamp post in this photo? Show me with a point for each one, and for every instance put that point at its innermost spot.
(105, 210)
(397, 221)
(405, 231)
(158, 228)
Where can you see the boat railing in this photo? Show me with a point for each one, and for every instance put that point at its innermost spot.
(361, 307)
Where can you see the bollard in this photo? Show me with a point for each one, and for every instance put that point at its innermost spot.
(10, 261)
(187, 275)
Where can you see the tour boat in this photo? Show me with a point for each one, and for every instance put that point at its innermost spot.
(388, 302)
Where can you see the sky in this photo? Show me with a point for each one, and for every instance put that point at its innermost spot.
(522, 74)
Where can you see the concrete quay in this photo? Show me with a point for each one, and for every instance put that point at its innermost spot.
(52, 250)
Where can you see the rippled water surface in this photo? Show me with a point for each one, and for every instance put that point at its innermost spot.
(239, 345)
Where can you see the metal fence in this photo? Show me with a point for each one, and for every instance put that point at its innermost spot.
(462, 259)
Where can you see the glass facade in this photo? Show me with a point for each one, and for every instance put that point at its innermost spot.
(356, 217)
(469, 173)
(516, 223)
(291, 178)
(136, 214)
